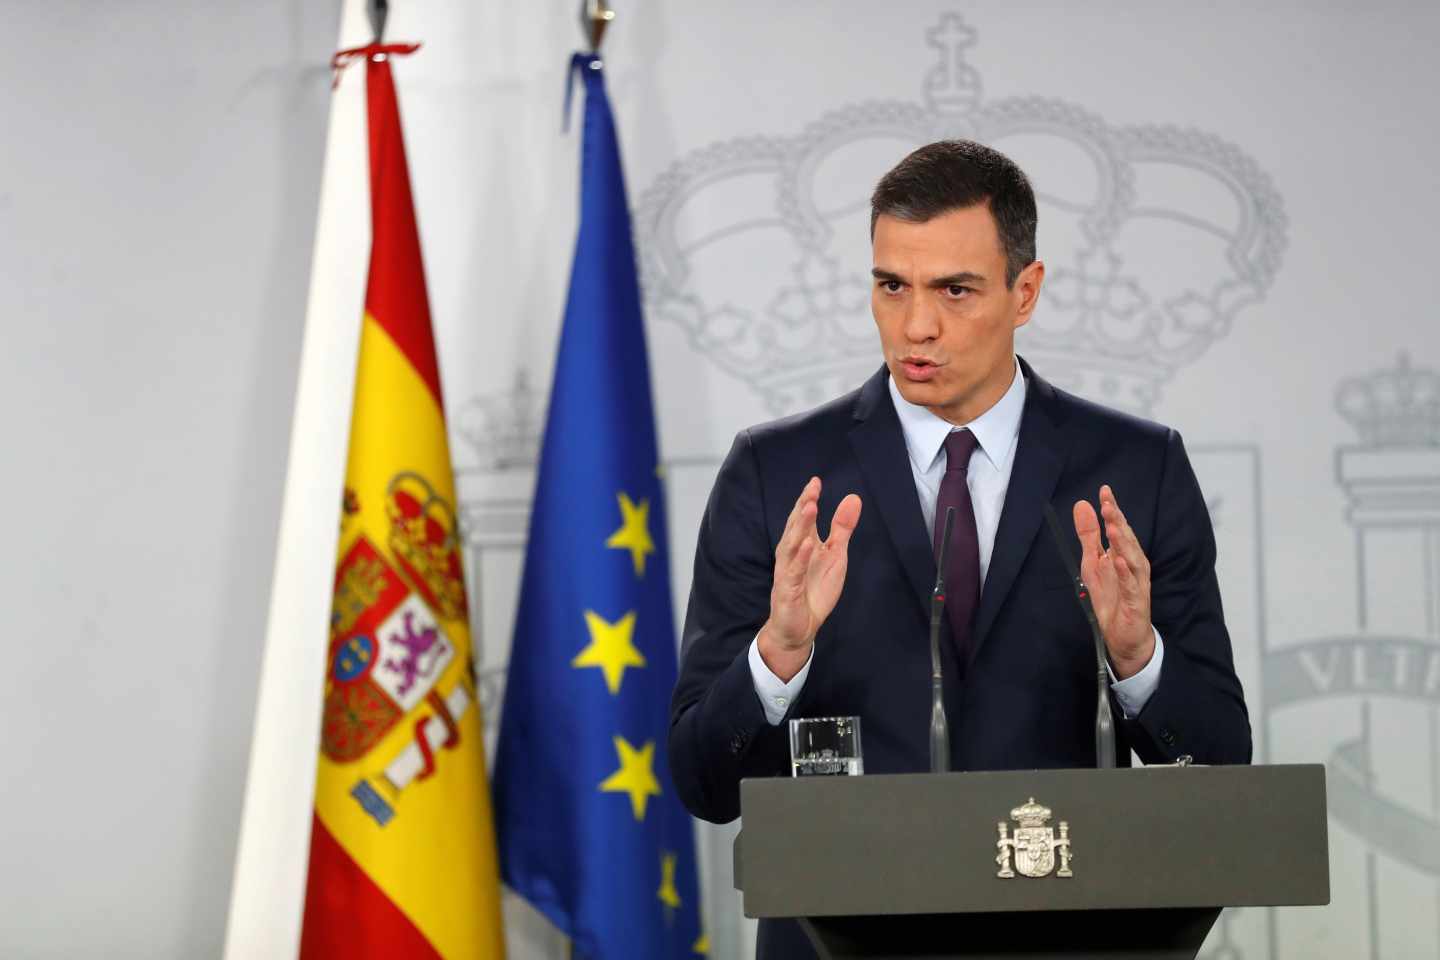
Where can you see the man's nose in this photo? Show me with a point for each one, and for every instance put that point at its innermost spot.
(922, 320)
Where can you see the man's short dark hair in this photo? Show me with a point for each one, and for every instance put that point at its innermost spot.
(954, 174)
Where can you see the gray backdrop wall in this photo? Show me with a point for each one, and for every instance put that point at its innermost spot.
(158, 182)
(1237, 213)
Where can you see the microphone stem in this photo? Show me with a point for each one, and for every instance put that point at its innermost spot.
(1104, 718)
(939, 727)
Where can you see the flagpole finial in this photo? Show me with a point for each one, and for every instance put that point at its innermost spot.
(378, 11)
(595, 16)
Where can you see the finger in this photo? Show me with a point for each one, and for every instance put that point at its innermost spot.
(793, 534)
(1109, 506)
(792, 575)
(842, 525)
(803, 529)
(1110, 514)
(1128, 581)
(810, 491)
(1124, 545)
(1121, 534)
(1087, 528)
(809, 513)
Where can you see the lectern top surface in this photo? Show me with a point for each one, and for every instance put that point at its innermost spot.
(1034, 840)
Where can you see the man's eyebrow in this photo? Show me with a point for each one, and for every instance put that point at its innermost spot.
(964, 278)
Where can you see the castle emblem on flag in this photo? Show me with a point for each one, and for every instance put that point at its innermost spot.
(1034, 845)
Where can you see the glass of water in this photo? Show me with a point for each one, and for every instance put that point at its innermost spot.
(821, 746)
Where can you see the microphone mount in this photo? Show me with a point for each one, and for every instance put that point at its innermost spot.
(939, 727)
(1104, 718)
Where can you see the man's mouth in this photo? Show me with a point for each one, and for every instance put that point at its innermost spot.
(918, 369)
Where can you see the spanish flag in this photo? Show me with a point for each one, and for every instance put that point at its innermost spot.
(402, 853)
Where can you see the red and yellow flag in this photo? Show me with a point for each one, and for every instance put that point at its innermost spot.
(402, 856)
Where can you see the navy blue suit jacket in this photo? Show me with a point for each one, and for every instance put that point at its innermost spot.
(1027, 699)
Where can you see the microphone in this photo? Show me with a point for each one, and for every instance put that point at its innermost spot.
(1104, 721)
(939, 729)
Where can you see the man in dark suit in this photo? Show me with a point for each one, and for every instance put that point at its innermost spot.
(792, 614)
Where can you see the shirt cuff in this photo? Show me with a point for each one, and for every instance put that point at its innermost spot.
(775, 694)
(1133, 692)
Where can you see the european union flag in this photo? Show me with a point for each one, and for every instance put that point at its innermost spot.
(590, 829)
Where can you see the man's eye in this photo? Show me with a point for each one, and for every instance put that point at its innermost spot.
(956, 290)
(891, 286)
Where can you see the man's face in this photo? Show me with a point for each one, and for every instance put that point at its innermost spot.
(947, 321)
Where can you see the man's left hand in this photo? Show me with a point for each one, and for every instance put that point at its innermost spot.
(1119, 582)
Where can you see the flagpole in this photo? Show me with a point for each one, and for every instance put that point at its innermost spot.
(378, 11)
(595, 18)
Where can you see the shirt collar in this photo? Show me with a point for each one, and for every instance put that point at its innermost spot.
(995, 430)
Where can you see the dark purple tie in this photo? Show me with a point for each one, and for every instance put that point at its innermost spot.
(962, 567)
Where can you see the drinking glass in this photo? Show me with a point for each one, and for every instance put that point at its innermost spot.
(825, 746)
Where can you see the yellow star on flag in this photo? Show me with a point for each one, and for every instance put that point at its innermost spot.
(634, 532)
(702, 945)
(636, 775)
(610, 648)
(667, 893)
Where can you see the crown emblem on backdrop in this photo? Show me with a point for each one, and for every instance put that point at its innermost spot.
(503, 429)
(1153, 236)
(1395, 407)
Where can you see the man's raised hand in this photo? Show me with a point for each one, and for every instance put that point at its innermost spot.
(809, 575)
(1119, 582)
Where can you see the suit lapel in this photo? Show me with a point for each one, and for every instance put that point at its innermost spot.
(879, 445)
(1039, 461)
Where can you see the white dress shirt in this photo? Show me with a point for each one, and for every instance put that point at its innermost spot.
(988, 477)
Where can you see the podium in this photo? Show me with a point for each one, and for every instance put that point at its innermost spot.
(910, 865)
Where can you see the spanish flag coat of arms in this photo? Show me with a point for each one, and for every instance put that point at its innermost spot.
(402, 855)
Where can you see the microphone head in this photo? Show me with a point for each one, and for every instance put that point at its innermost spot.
(944, 552)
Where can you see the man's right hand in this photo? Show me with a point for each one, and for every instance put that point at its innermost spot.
(809, 575)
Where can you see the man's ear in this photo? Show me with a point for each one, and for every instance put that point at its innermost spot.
(1027, 289)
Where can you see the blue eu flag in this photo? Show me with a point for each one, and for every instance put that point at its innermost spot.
(590, 829)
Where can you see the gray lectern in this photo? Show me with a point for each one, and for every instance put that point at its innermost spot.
(1043, 863)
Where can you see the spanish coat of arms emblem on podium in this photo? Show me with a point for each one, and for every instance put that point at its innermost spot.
(1034, 846)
